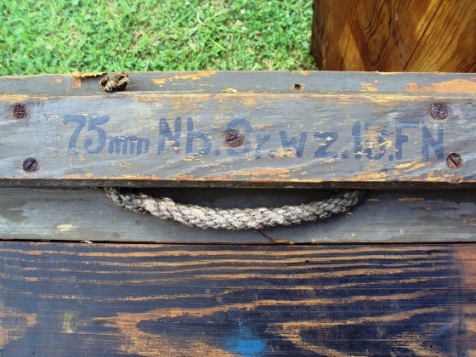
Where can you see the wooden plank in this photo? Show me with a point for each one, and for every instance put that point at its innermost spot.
(245, 81)
(298, 138)
(159, 300)
(382, 217)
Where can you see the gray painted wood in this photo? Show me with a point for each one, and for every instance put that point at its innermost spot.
(383, 217)
(244, 81)
(289, 140)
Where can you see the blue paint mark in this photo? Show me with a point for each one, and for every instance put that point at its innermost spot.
(245, 344)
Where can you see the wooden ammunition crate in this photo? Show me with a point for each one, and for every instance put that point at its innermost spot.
(394, 276)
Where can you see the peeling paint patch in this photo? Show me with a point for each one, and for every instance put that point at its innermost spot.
(453, 86)
(192, 76)
(72, 176)
(125, 164)
(64, 228)
(369, 87)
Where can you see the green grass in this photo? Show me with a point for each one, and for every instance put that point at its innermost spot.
(56, 36)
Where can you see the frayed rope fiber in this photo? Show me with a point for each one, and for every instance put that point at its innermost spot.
(235, 219)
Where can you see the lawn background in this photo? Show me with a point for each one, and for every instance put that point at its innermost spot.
(57, 36)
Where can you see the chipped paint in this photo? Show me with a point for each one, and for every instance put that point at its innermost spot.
(411, 199)
(272, 174)
(460, 86)
(14, 324)
(229, 90)
(282, 153)
(76, 176)
(192, 76)
(71, 177)
(369, 87)
(65, 228)
(184, 177)
(16, 98)
(79, 76)
(125, 164)
(412, 165)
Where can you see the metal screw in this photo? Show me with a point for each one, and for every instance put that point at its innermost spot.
(19, 111)
(454, 161)
(30, 164)
(233, 138)
(439, 111)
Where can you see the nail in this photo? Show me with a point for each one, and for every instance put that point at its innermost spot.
(439, 111)
(19, 111)
(454, 161)
(233, 138)
(30, 164)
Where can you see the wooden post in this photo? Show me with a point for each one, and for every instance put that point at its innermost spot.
(395, 35)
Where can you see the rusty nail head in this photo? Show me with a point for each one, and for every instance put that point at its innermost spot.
(233, 138)
(454, 161)
(30, 164)
(19, 111)
(439, 111)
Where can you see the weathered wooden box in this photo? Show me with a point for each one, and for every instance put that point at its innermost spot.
(394, 276)
(329, 290)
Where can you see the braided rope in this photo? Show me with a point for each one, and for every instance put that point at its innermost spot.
(235, 219)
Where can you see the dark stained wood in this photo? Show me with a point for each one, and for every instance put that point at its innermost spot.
(299, 138)
(61, 299)
(382, 217)
(395, 35)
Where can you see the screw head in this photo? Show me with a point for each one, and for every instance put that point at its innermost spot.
(19, 111)
(233, 138)
(439, 111)
(30, 164)
(454, 161)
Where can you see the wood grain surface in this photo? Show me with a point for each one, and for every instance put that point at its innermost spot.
(61, 299)
(306, 137)
(395, 35)
(328, 45)
(382, 217)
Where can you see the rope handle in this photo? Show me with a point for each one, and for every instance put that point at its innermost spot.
(235, 219)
